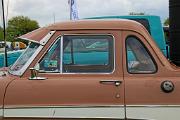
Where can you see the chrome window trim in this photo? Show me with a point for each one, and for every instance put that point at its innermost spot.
(46, 38)
(41, 57)
(114, 55)
(61, 66)
(63, 106)
(82, 106)
(149, 53)
(23, 69)
(61, 55)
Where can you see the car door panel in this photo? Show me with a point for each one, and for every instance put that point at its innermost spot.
(68, 95)
(144, 96)
(65, 94)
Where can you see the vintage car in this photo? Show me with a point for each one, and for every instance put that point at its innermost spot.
(90, 69)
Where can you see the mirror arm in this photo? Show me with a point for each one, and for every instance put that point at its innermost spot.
(34, 75)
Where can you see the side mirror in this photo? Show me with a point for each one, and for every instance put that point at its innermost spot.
(34, 75)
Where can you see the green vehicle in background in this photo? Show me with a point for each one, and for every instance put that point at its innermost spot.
(151, 23)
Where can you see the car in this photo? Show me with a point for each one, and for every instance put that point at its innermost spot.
(59, 76)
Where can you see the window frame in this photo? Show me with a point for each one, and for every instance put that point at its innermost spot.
(147, 50)
(61, 38)
(112, 49)
(43, 55)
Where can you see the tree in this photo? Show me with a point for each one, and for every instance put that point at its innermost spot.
(20, 25)
(1, 33)
(166, 22)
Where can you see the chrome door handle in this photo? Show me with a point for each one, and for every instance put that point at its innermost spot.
(37, 78)
(110, 82)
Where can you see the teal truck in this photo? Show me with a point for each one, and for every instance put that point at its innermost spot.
(151, 23)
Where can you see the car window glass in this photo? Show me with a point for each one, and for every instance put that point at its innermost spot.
(51, 60)
(26, 55)
(138, 58)
(93, 53)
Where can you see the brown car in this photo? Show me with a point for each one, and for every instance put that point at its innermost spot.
(91, 69)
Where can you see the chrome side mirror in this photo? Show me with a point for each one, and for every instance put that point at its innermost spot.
(34, 75)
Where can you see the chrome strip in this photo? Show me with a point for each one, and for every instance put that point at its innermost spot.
(61, 55)
(47, 37)
(67, 112)
(64, 106)
(152, 105)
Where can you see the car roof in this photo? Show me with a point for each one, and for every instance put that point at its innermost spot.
(120, 24)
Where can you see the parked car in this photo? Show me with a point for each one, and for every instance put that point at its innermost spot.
(60, 77)
(14, 50)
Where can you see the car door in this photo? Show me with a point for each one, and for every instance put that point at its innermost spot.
(151, 90)
(80, 77)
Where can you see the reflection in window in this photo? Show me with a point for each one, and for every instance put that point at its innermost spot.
(22, 60)
(87, 53)
(139, 60)
(51, 60)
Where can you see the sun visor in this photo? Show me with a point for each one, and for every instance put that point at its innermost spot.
(36, 35)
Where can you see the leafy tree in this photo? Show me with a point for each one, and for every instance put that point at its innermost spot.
(20, 25)
(1, 33)
(166, 22)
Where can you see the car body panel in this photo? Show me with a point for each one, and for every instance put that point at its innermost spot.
(4, 82)
(143, 92)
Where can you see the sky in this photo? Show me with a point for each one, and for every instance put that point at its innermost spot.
(44, 11)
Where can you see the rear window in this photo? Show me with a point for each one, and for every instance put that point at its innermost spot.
(144, 22)
(139, 59)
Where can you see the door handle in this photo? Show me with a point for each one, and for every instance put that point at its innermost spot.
(110, 82)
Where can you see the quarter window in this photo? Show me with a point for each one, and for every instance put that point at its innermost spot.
(138, 58)
(51, 61)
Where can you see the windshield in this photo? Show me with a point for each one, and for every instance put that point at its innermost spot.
(26, 55)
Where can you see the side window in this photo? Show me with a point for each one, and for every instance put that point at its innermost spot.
(51, 60)
(138, 58)
(88, 53)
